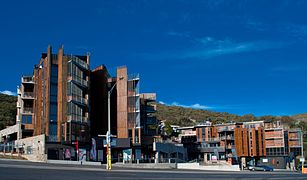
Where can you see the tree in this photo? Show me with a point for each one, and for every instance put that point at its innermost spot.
(168, 129)
(7, 110)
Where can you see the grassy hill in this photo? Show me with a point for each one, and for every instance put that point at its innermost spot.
(7, 110)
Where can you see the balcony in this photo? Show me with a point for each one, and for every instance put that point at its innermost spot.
(225, 129)
(79, 62)
(27, 79)
(133, 93)
(227, 137)
(205, 149)
(76, 118)
(230, 147)
(273, 136)
(274, 143)
(27, 95)
(294, 136)
(134, 76)
(77, 100)
(150, 109)
(212, 140)
(78, 81)
(294, 144)
(133, 109)
(27, 110)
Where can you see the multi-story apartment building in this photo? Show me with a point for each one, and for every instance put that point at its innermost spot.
(68, 103)
(249, 141)
(282, 145)
(25, 105)
(128, 125)
(54, 100)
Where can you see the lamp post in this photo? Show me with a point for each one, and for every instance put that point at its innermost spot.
(302, 150)
(108, 135)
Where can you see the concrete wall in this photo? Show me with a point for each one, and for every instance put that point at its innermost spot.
(10, 130)
(74, 162)
(220, 167)
(33, 148)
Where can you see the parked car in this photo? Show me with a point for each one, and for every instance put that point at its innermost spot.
(249, 167)
(261, 168)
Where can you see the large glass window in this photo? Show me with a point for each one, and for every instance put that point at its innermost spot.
(74, 70)
(53, 112)
(53, 131)
(75, 110)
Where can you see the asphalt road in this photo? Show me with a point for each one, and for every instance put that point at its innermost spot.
(23, 170)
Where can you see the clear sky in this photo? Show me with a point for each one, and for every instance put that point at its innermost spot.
(232, 56)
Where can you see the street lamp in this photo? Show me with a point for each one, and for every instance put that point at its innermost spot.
(108, 135)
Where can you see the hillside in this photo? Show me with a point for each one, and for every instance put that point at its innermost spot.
(187, 116)
(7, 110)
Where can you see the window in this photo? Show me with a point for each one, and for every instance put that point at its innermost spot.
(27, 119)
(53, 132)
(53, 112)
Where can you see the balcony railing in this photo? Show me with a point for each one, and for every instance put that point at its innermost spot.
(273, 136)
(78, 80)
(79, 62)
(212, 139)
(150, 109)
(225, 129)
(133, 109)
(134, 76)
(212, 149)
(27, 79)
(135, 92)
(230, 146)
(29, 95)
(227, 137)
(77, 99)
(27, 110)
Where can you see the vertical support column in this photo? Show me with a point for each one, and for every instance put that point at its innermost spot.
(62, 91)
(205, 158)
(122, 103)
(157, 157)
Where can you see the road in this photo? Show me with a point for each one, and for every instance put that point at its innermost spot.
(23, 170)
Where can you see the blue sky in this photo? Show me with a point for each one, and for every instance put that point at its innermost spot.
(232, 56)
